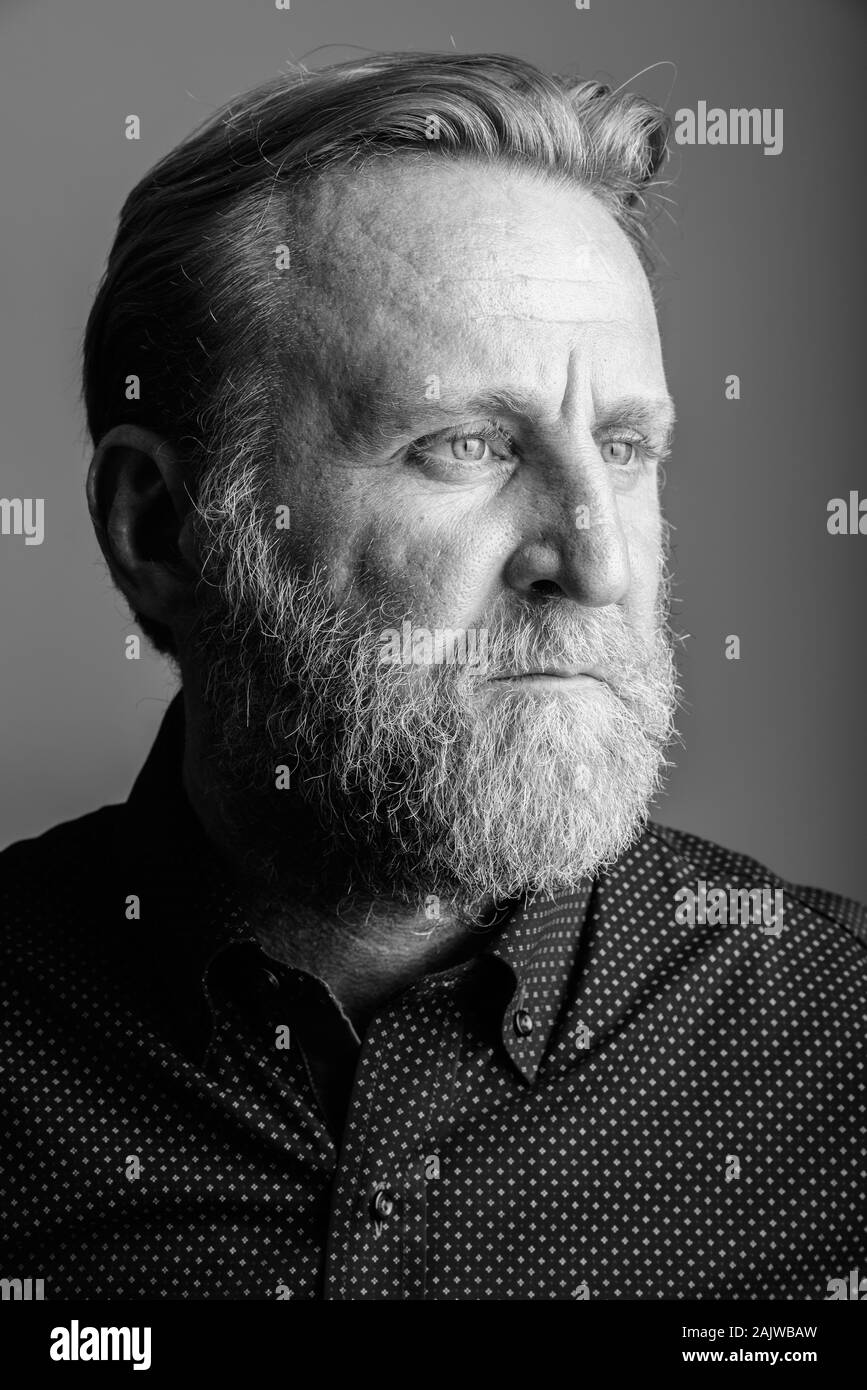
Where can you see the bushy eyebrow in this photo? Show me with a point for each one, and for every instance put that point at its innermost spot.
(375, 425)
(373, 429)
(652, 416)
(481, 406)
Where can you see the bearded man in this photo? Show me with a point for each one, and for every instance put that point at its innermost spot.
(382, 984)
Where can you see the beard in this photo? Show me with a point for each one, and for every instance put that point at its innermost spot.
(407, 782)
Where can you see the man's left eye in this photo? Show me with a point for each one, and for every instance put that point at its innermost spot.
(469, 448)
(619, 451)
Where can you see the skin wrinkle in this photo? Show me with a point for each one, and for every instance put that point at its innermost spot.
(328, 211)
(410, 782)
(345, 259)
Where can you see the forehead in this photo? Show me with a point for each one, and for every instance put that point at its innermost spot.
(475, 273)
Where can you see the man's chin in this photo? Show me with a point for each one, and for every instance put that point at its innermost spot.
(502, 843)
(467, 788)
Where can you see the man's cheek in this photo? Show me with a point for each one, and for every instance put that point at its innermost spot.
(643, 532)
(445, 581)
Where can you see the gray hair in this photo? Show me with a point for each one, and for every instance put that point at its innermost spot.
(191, 302)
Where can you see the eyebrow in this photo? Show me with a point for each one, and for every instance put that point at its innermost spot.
(654, 416)
(372, 429)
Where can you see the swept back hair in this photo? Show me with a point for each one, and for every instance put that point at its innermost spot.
(191, 301)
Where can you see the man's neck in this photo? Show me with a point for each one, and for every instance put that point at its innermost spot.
(365, 949)
(366, 962)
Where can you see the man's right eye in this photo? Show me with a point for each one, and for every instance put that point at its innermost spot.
(467, 447)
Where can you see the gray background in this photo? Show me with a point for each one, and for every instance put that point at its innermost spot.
(763, 278)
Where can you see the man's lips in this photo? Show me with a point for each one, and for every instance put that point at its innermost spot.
(552, 673)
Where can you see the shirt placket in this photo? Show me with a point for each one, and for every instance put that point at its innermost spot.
(401, 1099)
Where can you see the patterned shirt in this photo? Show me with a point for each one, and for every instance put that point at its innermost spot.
(653, 1088)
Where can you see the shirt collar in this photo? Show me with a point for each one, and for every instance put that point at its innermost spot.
(536, 949)
(540, 948)
(182, 865)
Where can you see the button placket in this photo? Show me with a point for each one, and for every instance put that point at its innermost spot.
(377, 1241)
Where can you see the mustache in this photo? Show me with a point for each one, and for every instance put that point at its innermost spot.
(281, 620)
(559, 639)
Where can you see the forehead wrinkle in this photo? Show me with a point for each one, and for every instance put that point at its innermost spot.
(519, 278)
(381, 319)
(406, 245)
(561, 299)
(375, 396)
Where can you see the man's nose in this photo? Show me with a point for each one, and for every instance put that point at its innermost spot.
(574, 546)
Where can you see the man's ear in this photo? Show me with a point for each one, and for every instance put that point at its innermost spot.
(142, 513)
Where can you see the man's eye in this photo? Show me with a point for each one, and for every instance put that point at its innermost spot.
(480, 448)
(469, 448)
(618, 451)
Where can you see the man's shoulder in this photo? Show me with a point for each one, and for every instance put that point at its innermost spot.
(693, 859)
(60, 842)
(48, 880)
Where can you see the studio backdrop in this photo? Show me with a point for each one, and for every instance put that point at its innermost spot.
(760, 305)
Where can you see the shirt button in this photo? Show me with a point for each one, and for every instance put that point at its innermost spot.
(383, 1203)
(523, 1022)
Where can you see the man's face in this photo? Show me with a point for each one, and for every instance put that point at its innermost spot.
(474, 405)
(434, 289)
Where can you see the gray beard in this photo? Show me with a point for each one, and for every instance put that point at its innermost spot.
(424, 782)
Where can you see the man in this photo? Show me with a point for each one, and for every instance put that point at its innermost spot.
(381, 984)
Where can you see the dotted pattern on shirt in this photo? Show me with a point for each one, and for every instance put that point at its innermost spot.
(684, 1119)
